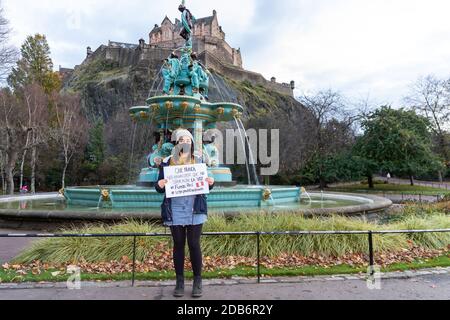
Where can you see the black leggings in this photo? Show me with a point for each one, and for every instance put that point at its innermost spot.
(192, 233)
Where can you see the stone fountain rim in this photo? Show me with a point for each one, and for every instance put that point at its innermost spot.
(377, 204)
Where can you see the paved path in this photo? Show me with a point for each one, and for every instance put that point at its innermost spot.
(11, 247)
(433, 184)
(422, 287)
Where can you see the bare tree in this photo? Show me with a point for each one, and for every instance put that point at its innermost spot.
(332, 127)
(71, 127)
(2, 171)
(36, 102)
(8, 54)
(21, 126)
(430, 96)
(13, 134)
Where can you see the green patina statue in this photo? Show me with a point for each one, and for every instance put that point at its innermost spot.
(170, 72)
(187, 20)
(185, 75)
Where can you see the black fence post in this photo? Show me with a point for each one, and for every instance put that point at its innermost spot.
(134, 261)
(371, 256)
(258, 247)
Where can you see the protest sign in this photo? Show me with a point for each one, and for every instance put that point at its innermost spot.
(186, 180)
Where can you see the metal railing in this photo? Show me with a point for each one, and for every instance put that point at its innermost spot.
(420, 197)
(257, 234)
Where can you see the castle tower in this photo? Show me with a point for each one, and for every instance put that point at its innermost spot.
(208, 37)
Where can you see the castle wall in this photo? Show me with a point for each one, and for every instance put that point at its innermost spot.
(238, 74)
(123, 56)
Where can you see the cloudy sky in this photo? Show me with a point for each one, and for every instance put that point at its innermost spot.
(363, 48)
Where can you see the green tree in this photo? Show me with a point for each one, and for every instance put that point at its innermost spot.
(35, 66)
(95, 150)
(344, 166)
(398, 141)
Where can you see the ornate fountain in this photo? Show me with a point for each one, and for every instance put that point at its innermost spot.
(184, 105)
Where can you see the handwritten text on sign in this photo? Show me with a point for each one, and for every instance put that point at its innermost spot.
(187, 180)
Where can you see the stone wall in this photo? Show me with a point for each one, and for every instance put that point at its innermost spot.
(238, 74)
(124, 57)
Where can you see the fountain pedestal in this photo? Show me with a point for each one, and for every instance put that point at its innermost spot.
(175, 112)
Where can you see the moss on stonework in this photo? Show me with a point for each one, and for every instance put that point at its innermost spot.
(256, 93)
(93, 72)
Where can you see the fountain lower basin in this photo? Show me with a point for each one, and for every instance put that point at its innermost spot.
(122, 197)
(55, 207)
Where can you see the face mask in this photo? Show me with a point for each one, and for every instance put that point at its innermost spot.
(185, 148)
(181, 149)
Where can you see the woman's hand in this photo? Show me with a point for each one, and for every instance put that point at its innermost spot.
(158, 161)
(210, 181)
(162, 183)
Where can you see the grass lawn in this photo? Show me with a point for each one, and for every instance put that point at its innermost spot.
(8, 276)
(391, 188)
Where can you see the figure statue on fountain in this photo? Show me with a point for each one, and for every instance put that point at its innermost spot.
(211, 151)
(195, 82)
(168, 80)
(185, 75)
(170, 71)
(187, 20)
(201, 77)
(160, 150)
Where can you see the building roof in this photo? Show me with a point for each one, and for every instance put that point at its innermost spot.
(166, 19)
(205, 20)
(177, 24)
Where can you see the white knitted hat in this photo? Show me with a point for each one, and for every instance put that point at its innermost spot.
(178, 134)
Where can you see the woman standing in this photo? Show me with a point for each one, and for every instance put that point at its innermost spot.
(184, 215)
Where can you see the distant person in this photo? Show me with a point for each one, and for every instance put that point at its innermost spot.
(24, 190)
(388, 177)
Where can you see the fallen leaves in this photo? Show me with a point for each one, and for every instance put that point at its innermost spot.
(161, 261)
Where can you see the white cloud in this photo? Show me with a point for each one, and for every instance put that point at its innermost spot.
(386, 44)
(356, 46)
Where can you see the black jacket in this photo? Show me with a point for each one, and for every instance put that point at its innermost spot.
(200, 204)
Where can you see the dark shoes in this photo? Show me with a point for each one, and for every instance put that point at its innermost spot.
(197, 290)
(179, 289)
